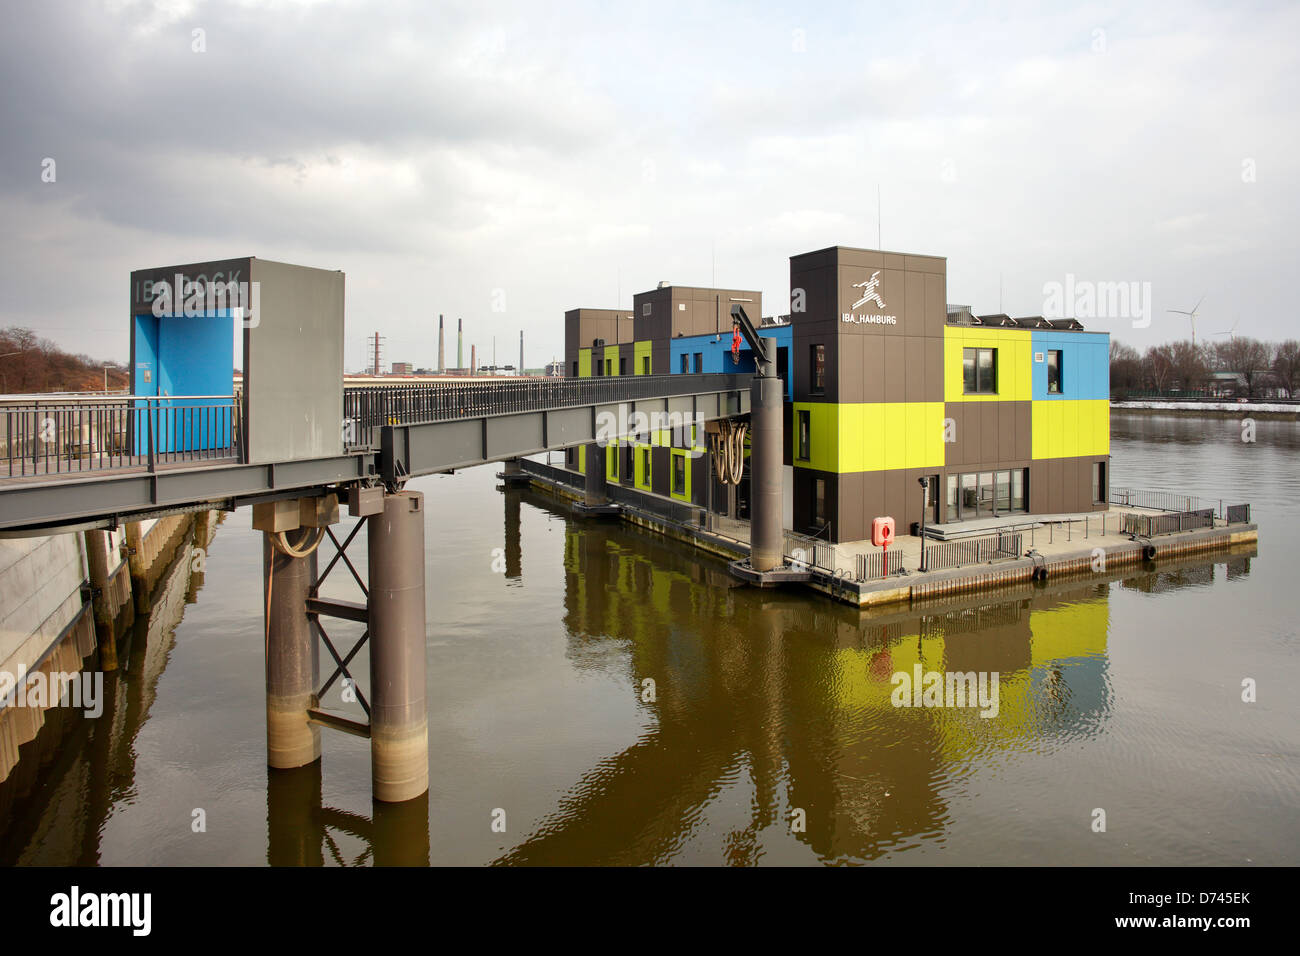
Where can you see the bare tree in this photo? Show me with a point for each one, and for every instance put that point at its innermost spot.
(1158, 367)
(1190, 369)
(1286, 366)
(1249, 358)
(1126, 371)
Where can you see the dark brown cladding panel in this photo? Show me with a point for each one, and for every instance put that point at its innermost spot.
(583, 326)
(987, 432)
(659, 470)
(1063, 485)
(869, 361)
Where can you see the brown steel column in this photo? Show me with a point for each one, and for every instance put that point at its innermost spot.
(292, 659)
(766, 548)
(399, 724)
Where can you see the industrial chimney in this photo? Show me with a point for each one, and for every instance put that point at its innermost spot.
(442, 365)
(473, 358)
(521, 351)
(460, 343)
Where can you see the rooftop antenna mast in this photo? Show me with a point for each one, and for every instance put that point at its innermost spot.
(879, 243)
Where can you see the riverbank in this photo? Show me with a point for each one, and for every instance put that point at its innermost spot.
(1223, 409)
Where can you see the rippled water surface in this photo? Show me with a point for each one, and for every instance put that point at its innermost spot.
(770, 738)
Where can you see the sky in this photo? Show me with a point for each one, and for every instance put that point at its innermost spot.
(503, 162)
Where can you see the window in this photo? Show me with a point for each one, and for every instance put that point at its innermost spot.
(1098, 482)
(645, 308)
(1018, 501)
(645, 365)
(817, 370)
(1002, 494)
(805, 427)
(679, 474)
(967, 502)
(979, 371)
(575, 368)
(611, 462)
(645, 466)
(986, 493)
(1054, 371)
(609, 366)
(819, 502)
(686, 363)
(622, 366)
(699, 362)
(952, 498)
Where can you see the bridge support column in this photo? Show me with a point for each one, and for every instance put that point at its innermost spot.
(595, 473)
(292, 659)
(399, 723)
(766, 545)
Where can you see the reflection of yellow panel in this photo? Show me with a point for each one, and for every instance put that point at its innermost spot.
(1069, 630)
(1014, 362)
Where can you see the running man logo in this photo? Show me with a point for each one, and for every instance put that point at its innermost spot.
(869, 293)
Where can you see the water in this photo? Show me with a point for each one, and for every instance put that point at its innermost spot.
(769, 708)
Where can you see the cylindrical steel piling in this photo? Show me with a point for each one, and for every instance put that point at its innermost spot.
(766, 431)
(399, 727)
(292, 659)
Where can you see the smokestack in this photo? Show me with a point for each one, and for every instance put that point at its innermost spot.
(442, 364)
(460, 343)
(473, 358)
(521, 351)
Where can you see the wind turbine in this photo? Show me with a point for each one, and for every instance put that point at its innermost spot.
(1192, 316)
(1230, 333)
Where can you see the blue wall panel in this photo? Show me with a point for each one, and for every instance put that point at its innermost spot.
(1085, 365)
(716, 353)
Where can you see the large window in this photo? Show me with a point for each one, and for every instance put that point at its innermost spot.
(979, 369)
(1054, 371)
(645, 365)
(645, 466)
(679, 474)
(699, 362)
(1098, 481)
(609, 366)
(817, 376)
(575, 368)
(819, 502)
(622, 366)
(686, 362)
(805, 438)
(985, 494)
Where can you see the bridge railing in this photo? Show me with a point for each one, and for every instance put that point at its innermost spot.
(64, 436)
(366, 408)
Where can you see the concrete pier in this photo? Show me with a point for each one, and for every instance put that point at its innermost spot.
(292, 659)
(399, 734)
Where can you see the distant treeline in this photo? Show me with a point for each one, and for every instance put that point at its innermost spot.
(30, 364)
(1239, 367)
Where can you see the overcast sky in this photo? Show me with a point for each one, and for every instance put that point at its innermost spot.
(573, 154)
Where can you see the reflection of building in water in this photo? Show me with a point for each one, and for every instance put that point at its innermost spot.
(77, 770)
(771, 702)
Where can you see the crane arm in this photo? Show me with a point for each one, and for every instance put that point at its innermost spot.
(764, 357)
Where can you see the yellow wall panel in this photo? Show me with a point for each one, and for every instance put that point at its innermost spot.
(1014, 362)
(584, 363)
